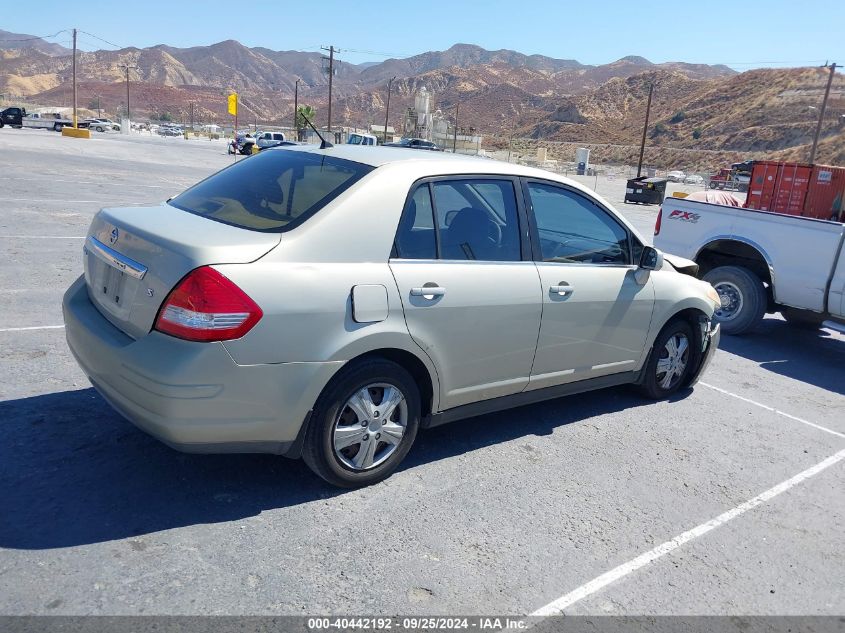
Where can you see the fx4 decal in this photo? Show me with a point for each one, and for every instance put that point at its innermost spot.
(684, 216)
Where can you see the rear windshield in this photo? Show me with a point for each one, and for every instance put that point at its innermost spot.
(273, 191)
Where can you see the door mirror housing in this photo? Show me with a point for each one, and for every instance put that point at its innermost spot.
(651, 259)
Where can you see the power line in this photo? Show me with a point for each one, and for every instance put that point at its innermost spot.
(97, 37)
(380, 53)
(805, 61)
(37, 37)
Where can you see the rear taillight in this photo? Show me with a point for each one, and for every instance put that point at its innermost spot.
(659, 221)
(207, 306)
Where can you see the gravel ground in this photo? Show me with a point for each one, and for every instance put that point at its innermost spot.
(503, 513)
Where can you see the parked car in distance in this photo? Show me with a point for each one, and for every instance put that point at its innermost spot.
(12, 116)
(415, 143)
(268, 139)
(329, 303)
(676, 176)
(102, 125)
(694, 179)
(241, 144)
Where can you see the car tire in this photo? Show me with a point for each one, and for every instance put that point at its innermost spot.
(334, 422)
(99, 129)
(804, 319)
(670, 362)
(745, 295)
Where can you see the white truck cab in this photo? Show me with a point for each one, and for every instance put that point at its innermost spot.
(357, 138)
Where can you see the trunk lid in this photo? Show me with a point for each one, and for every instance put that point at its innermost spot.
(134, 257)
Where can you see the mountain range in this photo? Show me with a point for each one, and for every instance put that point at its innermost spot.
(500, 93)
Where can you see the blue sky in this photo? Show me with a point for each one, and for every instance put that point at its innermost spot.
(743, 35)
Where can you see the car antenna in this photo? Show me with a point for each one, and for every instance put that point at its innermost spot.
(324, 143)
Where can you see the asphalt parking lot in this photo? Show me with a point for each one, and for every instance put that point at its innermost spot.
(727, 500)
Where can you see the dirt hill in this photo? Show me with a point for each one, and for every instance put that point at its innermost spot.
(769, 112)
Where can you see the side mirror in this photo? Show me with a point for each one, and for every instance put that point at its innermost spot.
(651, 259)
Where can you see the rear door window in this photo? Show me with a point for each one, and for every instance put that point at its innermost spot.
(416, 237)
(477, 219)
(474, 219)
(271, 191)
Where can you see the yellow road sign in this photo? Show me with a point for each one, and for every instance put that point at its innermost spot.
(233, 104)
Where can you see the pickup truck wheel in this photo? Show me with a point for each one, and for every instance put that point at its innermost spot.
(743, 298)
(57, 127)
(804, 319)
(670, 361)
(712, 185)
(363, 424)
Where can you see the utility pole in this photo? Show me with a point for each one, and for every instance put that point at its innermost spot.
(387, 110)
(296, 110)
(332, 50)
(126, 67)
(645, 129)
(192, 115)
(74, 78)
(455, 139)
(510, 141)
(821, 112)
(98, 106)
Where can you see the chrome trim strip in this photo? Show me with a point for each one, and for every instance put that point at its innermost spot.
(115, 259)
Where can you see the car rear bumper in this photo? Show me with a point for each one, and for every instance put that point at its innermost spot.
(192, 396)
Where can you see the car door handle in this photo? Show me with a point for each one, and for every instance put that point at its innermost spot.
(428, 291)
(562, 289)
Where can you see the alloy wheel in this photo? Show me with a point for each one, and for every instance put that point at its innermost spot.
(673, 361)
(370, 426)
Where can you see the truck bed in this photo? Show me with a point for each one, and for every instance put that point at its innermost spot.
(801, 254)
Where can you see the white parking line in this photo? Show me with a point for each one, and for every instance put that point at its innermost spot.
(772, 409)
(43, 237)
(85, 182)
(28, 329)
(556, 607)
(47, 200)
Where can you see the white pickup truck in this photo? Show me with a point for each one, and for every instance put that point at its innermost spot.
(46, 121)
(760, 262)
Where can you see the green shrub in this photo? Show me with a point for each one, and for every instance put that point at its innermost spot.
(678, 117)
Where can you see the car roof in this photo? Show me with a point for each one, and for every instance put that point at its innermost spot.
(383, 155)
(427, 163)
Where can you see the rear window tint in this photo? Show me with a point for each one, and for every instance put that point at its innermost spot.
(271, 191)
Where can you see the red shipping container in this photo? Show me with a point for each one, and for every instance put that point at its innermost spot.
(826, 194)
(791, 189)
(761, 188)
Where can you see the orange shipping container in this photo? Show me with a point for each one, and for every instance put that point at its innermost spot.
(792, 183)
(761, 188)
(826, 194)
